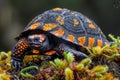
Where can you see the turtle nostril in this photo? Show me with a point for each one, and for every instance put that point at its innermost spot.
(29, 40)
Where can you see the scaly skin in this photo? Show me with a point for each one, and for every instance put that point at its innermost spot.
(18, 52)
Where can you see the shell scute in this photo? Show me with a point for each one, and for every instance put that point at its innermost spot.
(69, 25)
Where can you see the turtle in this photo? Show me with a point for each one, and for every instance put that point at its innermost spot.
(56, 31)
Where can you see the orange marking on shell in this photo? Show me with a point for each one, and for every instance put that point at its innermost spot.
(57, 9)
(82, 40)
(49, 26)
(91, 42)
(51, 52)
(34, 26)
(60, 32)
(35, 51)
(70, 38)
(75, 22)
(99, 43)
(59, 18)
(91, 26)
(89, 21)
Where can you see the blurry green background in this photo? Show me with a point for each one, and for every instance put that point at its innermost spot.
(15, 15)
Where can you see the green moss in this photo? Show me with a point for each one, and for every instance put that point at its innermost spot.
(102, 64)
(62, 69)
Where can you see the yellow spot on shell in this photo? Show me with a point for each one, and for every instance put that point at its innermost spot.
(91, 26)
(49, 26)
(34, 26)
(81, 40)
(99, 43)
(91, 42)
(70, 38)
(75, 22)
(59, 32)
(57, 9)
(59, 20)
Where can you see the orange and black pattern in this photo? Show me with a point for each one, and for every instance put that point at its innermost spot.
(69, 25)
(20, 47)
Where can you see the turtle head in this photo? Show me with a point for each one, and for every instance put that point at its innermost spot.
(39, 42)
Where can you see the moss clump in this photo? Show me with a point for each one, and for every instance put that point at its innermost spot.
(102, 64)
(5, 65)
(61, 69)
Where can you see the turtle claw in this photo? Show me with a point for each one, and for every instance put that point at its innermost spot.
(17, 65)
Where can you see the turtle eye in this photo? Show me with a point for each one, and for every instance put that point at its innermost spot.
(36, 39)
(30, 40)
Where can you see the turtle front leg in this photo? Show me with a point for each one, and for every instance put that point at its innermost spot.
(18, 53)
(78, 55)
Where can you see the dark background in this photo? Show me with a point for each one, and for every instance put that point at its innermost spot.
(15, 15)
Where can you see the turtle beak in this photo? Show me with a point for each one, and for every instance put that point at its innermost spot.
(36, 46)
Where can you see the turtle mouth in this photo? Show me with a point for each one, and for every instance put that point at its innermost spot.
(36, 46)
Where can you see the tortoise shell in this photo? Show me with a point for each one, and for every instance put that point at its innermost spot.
(66, 24)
